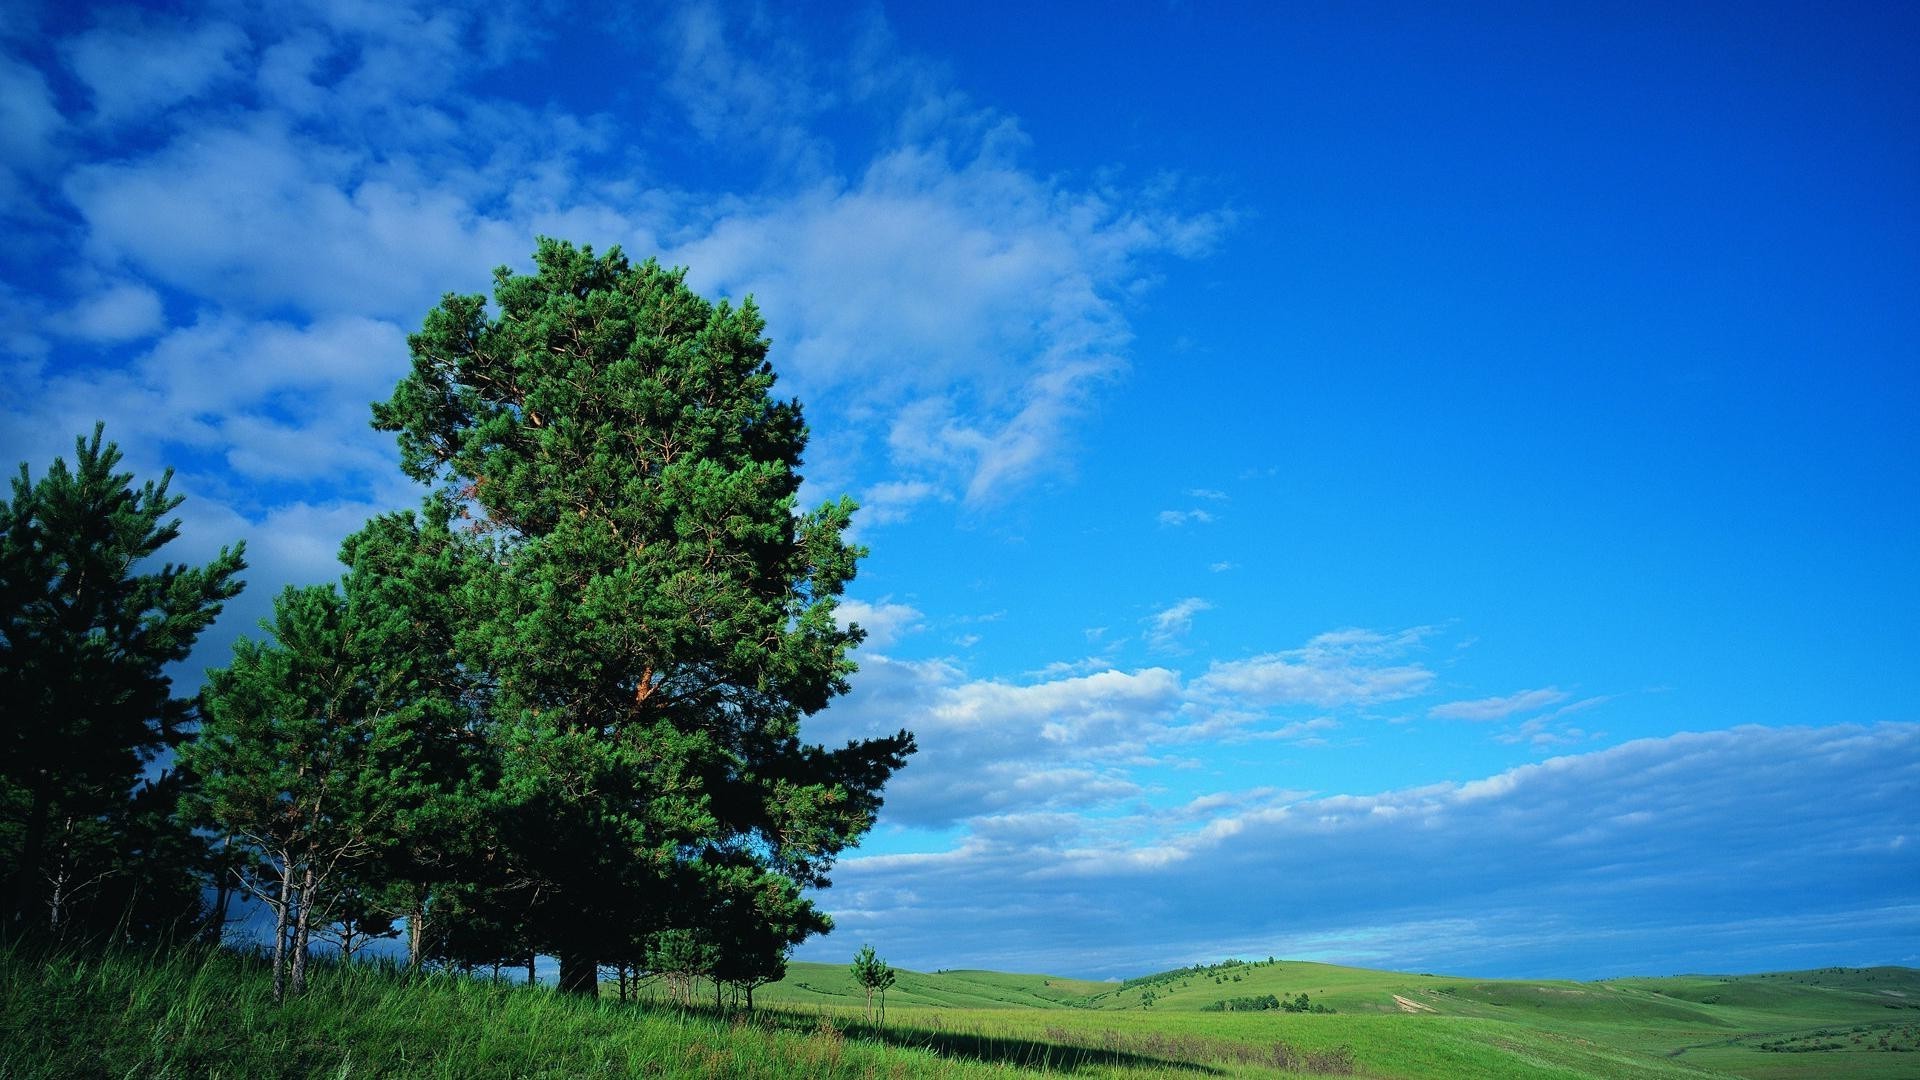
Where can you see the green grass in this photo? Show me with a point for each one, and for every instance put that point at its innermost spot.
(210, 1014)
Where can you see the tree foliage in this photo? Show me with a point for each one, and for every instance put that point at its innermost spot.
(657, 616)
(874, 976)
(332, 753)
(557, 711)
(89, 621)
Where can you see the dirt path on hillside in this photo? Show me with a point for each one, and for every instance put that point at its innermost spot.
(1407, 1005)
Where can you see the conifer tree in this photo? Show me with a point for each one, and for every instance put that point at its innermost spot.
(657, 616)
(334, 753)
(88, 624)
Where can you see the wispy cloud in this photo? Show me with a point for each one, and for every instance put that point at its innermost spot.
(1342, 668)
(1177, 518)
(1498, 708)
(1166, 627)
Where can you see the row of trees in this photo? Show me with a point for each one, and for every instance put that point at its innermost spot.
(554, 712)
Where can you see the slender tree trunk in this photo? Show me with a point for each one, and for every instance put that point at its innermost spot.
(417, 931)
(580, 973)
(300, 931)
(280, 912)
(62, 873)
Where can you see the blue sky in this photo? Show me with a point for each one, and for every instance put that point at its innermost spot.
(1427, 486)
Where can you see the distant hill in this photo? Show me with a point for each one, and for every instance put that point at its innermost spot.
(209, 1012)
(1827, 1022)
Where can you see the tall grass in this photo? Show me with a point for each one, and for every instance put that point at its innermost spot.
(210, 1013)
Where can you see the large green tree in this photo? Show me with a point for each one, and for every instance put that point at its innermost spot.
(90, 617)
(658, 615)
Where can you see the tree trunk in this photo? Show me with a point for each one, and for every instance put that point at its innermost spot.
(300, 931)
(417, 931)
(580, 974)
(531, 979)
(62, 873)
(280, 911)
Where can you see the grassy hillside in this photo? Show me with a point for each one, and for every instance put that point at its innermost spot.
(210, 1015)
(1861, 1022)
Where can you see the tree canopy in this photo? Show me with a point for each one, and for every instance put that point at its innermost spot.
(656, 615)
(89, 621)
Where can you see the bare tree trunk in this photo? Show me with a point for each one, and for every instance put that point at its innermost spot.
(58, 877)
(280, 912)
(300, 929)
(531, 978)
(417, 931)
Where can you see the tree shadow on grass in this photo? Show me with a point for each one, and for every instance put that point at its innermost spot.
(1026, 1052)
(1060, 1052)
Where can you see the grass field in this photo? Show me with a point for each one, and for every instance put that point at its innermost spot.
(210, 1014)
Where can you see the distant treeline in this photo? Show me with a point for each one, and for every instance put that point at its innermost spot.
(1300, 1003)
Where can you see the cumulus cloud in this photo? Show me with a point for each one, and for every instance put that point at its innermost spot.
(1602, 857)
(884, 621)
(988, 746)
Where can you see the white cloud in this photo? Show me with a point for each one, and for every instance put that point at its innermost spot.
(987, 745)
(1165, 628)
(1498, 708)
(893, 501)
(138, 65)
(28, 119)
(120, 312)
(1177, 518)
(1662, 828)
(1342, 668)
(884, 621)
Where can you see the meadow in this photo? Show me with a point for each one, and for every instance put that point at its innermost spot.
(211, 1014)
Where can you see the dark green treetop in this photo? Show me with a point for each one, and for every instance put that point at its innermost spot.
(658, 615)
(89, 621)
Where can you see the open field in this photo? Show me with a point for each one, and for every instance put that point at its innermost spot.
(211, 1015)
(1830, 1022)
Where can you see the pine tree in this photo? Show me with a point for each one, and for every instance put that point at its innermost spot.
(657, 616)
(88, 624)
(335, 754)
